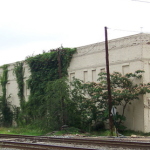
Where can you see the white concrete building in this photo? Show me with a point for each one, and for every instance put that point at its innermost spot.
(126, 54)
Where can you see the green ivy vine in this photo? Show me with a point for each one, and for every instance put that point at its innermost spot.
(19, 72)
(44, 69)
(7, 114)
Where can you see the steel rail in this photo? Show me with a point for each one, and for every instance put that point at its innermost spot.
(86, 141)
(38, 146)
(113, 143)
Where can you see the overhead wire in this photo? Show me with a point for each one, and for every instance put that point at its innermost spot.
(141, 1)
(94, 45)
(90, 49)
(115, 29)
(123, 30)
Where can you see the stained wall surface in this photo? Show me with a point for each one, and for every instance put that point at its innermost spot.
(126, 55)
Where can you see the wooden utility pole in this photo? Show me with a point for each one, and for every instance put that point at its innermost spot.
(59, 63)
(60, 76)
(108, 84)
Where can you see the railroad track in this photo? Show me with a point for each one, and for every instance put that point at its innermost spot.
(32, 146)
(81, 141)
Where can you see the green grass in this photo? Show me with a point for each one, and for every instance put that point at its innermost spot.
(71, 130)
(36, 132)
(100, 133)
(21, 131)
(131, 132)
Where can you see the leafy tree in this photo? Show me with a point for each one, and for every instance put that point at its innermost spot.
(85, 109)
(43, 81)
(125, 89)
(58, 103)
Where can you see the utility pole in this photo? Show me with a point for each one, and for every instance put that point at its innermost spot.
(59, 63)
(60, 76)
(108, 84)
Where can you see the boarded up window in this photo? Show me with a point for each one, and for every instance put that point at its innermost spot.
(149, 71)
(93, 75)
(28, 92)
(125, 69)
(1, 93)
(72, 75)
(102, 70)
(26, 89)
(85, 74)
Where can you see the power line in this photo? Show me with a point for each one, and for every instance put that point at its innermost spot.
(123, 30)
(141, 1)
(90, 49)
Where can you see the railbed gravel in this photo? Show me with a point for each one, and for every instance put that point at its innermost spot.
(75, 145)
(78, 145)
(99, 148)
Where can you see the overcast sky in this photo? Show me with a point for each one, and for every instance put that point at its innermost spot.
(30, 26)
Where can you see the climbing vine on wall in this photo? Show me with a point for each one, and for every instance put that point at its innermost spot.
(44, 68)
(19, 72)
(7, 114)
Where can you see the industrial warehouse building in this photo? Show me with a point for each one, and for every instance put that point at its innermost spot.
(126, 55)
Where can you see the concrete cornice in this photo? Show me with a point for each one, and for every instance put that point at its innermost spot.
(128, 41)
(103, 65)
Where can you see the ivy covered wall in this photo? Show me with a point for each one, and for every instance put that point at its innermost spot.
(45, 69)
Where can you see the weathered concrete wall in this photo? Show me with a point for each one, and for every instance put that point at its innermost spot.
(12, 86)
(126, 55)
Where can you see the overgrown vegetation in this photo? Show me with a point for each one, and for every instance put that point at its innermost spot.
(58, 104)
(54, 102)
(47, 88)
(19, 73)
(93, 97)
(73, 131)
(6, 112)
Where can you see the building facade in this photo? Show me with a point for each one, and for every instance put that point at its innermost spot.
(126, 55)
